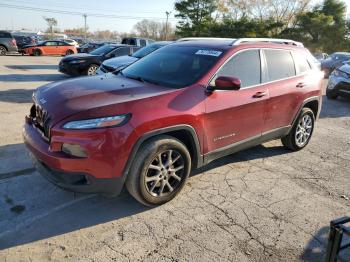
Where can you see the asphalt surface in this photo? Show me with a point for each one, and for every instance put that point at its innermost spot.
(262, 204)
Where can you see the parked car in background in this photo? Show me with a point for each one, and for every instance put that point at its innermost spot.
(172, 111)
(137, 41)
(321, 56)
(70, 41)
(88, 47)
(333, 61)
(49, 48)
(24, 41)
(114, 64)
(7, 43)
(87, 64)
(339, 82)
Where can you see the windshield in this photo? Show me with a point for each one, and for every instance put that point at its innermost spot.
(146, 50)
(173, 66)
(337, 56)
(103, 50)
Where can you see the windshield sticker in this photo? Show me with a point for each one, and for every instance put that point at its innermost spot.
(208, 52)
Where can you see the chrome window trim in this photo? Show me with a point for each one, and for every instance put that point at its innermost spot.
(261, 84)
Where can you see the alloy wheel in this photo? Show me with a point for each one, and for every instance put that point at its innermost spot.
(165, 173)
(92, 70)
(304, 130)
(2, 50)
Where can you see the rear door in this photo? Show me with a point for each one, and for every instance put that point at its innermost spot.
(233, 116)
(283, 86)
(50, 47)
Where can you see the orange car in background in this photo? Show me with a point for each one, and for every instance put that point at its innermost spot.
(49, 48)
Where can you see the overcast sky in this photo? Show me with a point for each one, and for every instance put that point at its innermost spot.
(135, 10)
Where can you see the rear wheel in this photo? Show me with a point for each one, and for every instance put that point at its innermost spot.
(92, 70)
(159, 172)
(301, 132)
(69, 52)
(3, 50)
(37, 52)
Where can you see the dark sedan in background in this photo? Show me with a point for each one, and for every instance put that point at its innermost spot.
(339, 82)
(87, 64)
(114, 64)
(333, 61)
(88, 47)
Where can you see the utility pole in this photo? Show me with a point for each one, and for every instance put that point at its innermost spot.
(85, 27)
(166, 24)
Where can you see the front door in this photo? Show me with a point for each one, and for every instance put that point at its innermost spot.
(233, 116)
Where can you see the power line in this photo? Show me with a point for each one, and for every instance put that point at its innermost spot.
(56, 11)
(85, 8)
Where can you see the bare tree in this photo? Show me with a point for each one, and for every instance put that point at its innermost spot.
(153, 29)
(279, 10)
(51, 22)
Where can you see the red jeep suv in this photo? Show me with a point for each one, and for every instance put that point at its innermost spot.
(189, 103)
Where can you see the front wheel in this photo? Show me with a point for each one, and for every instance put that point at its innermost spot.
(92, 70)
(36, 52)
(301, 132)
(331, 95)
(160, 171)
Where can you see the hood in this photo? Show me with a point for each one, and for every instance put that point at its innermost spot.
(120, 61)
(78, 56)
(345, 68)
(69, 97)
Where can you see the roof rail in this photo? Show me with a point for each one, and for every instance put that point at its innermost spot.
(204, 38)
(269, 40)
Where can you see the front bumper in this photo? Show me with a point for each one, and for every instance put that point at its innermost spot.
(339, 85)
(100, 172)
(79, 182)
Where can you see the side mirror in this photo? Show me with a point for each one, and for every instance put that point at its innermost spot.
(226, 83)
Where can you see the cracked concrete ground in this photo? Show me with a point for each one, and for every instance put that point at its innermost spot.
(262, 204)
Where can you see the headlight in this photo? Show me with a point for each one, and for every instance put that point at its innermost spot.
(98, 122)
(339, 73)
(77, 61)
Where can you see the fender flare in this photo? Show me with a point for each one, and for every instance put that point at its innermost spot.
(194, 143)
(308, 100)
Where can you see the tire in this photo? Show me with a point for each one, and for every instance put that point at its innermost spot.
(331, 95)
(3, 50)
(91, 71)
(69, 52)
(301, 132)
(164, 183)
(37, 52)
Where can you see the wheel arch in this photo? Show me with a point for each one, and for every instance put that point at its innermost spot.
(4, 47)
(314, 103)
(184, 133)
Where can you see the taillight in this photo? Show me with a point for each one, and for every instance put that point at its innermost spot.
(14, 43)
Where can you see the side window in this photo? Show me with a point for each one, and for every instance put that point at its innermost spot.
(245, 65)
(280, 64)
(142, 42)
(301, 63)
(122, 51)
(132, 42)
(50, 43)
(63, 44)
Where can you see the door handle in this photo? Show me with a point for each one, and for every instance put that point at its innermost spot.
(260, 94)
(300, 85)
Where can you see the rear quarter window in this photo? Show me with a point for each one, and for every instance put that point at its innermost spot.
(301, 63)
(280, 64)
(5, 35)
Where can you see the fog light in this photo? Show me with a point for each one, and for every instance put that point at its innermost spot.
(74, 150)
